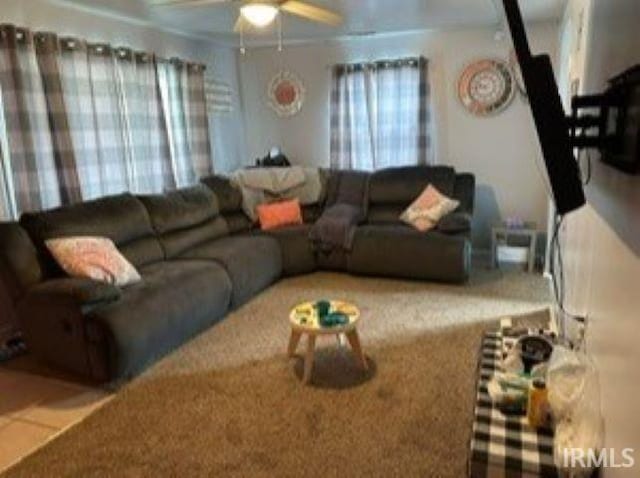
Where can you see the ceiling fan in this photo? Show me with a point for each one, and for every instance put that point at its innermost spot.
(261, 13)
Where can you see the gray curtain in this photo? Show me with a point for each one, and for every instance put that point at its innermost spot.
(48, 53)
(197, 120)
(170, 78)
(146, 126)
(92, 96)
(33, 164)
(7, 209)
(88, 120)
(379, 114)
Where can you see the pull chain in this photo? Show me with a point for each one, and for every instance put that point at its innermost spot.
(279, 32)
(243, 50)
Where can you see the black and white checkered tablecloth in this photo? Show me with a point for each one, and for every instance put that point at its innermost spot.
(505, 445)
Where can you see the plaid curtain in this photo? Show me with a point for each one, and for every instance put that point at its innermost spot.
(379, 114)
(144, 117)
(87, 120)
(47, 53)
(92, 98)
(352, 145)
(7, 210)
(197, 120)
(33, 165)
(114, 156)
(170, 78)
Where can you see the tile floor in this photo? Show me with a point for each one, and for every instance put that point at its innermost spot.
(35, 409)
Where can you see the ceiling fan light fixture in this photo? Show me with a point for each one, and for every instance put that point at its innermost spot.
(259, 14)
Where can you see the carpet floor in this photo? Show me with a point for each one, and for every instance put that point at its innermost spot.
(391, 310)
(229, 403)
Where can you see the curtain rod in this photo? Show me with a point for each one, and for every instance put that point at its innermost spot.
(377, 63)
(24, 35)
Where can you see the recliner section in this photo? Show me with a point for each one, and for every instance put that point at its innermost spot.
(175, 301)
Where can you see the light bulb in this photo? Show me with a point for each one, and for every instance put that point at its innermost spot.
(259, 14)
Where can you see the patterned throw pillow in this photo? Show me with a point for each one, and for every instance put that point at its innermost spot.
(431, 206)
(94, 258)
(279, 214)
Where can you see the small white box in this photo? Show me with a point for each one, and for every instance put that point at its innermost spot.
(512, 255)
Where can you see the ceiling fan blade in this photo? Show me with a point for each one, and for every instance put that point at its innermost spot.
(311, 12)
(187, 3)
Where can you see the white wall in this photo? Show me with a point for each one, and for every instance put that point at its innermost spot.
(602, 241)
(501, 151)
(64, 20)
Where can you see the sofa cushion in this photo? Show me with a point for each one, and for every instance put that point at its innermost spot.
(238, 222)
(401, 251)
(175, 301)
(310, 214)
(121, 218)
(298, 256)
(403, 185)
(84, 292)
(253, 262)
(464, 191)
(185, 218)
(385, 214)
(229, 196)
(455, 223)
(19, 266)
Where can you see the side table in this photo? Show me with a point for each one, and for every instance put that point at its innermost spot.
(503, 232)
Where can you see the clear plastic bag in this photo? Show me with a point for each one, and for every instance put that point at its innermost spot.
(574, 397)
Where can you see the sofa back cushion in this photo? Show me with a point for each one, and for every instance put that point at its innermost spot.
(121, 218)
(392, 190)
(229, 197)
(465, 191)
(230, 203)
(19, 265)
(185, 218)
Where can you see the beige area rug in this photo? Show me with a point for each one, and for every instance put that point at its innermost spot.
(391, 310)
(229, 403)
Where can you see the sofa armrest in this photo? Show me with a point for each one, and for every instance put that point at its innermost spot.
(464, 191)
(455, 223)
(82, 292)
(54, 318)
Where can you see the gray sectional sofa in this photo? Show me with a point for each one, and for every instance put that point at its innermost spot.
(200, 257)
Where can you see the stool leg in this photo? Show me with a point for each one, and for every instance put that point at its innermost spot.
(308, 359)
(293, 342)
(340, 338)
(354, 340)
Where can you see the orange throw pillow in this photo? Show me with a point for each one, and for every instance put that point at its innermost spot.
(279, 214)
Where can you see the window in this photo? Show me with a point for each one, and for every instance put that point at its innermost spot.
(86, 120)
(379, 114)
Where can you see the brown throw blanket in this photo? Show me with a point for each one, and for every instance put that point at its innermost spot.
(344, 210)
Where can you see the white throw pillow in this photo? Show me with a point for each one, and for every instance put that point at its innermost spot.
(428, 208)
(94, 258)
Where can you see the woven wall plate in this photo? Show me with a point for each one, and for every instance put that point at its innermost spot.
(486, 87)
(286, 94)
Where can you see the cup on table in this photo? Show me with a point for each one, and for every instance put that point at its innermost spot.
(323, 306)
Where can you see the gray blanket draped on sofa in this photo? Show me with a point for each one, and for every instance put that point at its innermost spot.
(345, 209)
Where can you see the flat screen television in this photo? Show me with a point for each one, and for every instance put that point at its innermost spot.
(549, 116)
